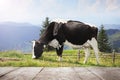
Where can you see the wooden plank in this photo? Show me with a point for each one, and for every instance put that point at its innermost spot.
(60, 73)
(5, 70)
(23, 73)
(107, 73)
(86, 74)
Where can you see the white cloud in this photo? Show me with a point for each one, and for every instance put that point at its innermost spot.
(27, 10)
(14, 10)
(35, 11)
(95, 6)
(112, 5)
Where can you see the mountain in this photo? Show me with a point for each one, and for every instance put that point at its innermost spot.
(17, 36)
(112, 26)
(112, 31)
(114, 38)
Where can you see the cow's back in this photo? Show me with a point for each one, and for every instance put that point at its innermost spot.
(77, 32)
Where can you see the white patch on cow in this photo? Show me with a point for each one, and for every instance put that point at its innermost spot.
(87, 54)
(60, 20)
(44, 46)
(33, 55)
(94, 44)
(86, 46)
(54, 43)
(76, 46)
(60, 58)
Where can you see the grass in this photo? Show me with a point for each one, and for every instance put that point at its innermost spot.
(50, 59)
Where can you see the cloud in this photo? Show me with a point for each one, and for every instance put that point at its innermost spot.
(112, 5)
(35, 11)
(14, 9)
(53, 9)
(89, 6)
(97, 5)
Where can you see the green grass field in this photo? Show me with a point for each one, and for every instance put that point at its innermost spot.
(50, 59)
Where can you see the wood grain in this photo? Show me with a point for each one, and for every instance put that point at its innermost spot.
(59, 73)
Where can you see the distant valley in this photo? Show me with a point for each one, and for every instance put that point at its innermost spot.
(17, 36)
(114, 38)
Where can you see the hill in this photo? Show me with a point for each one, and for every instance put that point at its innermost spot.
(17, 36)
(114, 38)
(113, 32)
(112, 26)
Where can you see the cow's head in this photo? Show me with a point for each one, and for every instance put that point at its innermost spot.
(37, 49)
(51, 31)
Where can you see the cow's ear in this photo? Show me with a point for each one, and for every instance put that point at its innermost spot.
(57, 26)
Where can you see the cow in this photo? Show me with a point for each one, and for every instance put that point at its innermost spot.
(72, 32)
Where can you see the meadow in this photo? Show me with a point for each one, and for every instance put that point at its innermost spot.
(50, 59)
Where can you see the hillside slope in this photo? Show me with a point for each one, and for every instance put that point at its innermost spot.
(17, 36)
(114, 38)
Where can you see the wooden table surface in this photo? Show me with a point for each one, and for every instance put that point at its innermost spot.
(59, 73)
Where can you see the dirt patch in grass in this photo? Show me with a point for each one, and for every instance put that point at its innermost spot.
(9, 59)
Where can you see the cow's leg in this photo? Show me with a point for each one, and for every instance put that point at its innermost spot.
(94, 44)
(59, 52)
(87, 54)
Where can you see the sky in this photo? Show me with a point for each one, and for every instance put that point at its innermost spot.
(35, 11)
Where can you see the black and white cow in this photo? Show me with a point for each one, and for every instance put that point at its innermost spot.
(74, 33)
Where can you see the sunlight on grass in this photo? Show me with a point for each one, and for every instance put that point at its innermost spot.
(50, 59)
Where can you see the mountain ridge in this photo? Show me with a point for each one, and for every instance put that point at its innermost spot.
(17, 35)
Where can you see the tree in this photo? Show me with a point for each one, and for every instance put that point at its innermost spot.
(103, 43)
(44, 25)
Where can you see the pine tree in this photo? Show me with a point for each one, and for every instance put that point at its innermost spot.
(44, 25)
(103, 43)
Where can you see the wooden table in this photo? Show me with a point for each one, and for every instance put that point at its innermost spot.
(59, 73)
